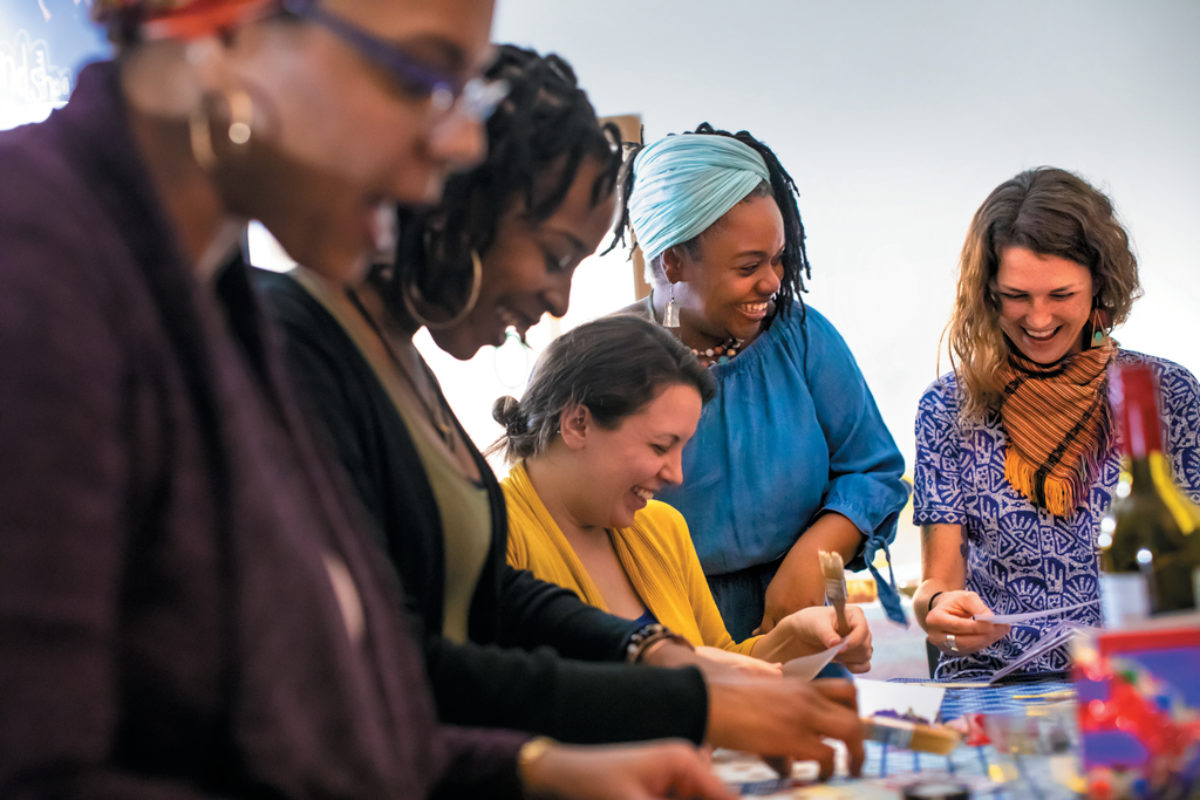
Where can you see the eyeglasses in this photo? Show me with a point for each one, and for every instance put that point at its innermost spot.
(475, 99)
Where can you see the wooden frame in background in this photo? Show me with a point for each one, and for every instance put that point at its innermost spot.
(630, 126)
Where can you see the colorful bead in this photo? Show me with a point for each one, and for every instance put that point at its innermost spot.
(718, 354)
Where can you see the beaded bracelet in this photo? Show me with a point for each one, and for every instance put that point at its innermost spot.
(647, 635)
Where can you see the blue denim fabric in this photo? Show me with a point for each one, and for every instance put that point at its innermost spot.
(792, 433)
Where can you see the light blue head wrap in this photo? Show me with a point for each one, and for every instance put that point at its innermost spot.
(684, 183)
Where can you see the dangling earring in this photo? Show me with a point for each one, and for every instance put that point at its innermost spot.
(671, 312)
(239, 132)
(411, 294)
(1100, 323)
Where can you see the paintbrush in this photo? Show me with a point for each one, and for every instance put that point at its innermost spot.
(910, 735)
(835, 587)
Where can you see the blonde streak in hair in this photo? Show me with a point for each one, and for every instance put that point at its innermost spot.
(944, 346)
(973, 333)
(981, 373)
(951, 332)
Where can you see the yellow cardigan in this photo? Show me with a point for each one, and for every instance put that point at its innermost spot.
(656, 553)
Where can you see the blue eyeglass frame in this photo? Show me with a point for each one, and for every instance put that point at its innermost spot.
(417, 78)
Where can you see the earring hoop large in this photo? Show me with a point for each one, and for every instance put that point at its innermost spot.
(411, 295)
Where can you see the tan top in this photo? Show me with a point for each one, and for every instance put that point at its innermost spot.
(462, 502)
(466, 527)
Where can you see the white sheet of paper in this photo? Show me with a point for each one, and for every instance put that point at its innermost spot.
(1031, 615)
(875, 696)
(1057, 636)
(807, 667)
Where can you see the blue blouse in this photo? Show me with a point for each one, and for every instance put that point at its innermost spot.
(792, 432)
(1022, 558)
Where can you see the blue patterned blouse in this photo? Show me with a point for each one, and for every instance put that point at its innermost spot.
(1020, 557)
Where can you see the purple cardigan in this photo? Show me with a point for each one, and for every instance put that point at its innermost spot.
(167, 625)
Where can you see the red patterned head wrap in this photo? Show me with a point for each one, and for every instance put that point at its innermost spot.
(141, 20)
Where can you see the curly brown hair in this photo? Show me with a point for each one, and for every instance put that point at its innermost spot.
(1052, 212)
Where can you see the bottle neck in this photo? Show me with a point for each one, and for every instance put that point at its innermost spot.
(1140, 435)
(1142, 471)
(1134, 396)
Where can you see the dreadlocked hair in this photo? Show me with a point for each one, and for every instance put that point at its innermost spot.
(796, 267)
(536, 141)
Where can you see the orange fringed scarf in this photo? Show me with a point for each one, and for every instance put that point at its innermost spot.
(1054, 416)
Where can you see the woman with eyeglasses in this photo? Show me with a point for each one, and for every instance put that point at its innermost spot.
(188, 606)
(498, 253)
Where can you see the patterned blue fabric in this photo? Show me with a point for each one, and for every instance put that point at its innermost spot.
(1021, 558)
(792, 432)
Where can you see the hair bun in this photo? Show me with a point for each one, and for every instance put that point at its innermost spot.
(507, 411)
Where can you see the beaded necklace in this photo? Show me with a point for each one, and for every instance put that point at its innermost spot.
(709, 356)
(719, 354)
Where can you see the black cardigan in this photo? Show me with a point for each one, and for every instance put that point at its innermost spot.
(519, 669)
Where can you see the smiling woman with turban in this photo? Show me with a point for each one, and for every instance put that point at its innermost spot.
(188, 608)
(792, 455)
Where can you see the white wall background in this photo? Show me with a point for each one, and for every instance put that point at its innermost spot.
(896, 120)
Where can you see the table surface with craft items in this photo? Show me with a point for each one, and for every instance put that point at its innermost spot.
(1014, 740)
(1130, 715)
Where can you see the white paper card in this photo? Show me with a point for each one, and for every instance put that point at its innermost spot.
(875, 696)
(1057, 636)
(1006, 619)
(807, 667)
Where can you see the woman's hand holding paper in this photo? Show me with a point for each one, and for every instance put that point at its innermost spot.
(951, 628)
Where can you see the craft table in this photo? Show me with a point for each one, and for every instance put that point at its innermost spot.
(1039, 762)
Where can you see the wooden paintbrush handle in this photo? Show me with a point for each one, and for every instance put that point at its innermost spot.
(843, 624)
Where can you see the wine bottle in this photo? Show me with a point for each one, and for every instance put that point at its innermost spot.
(1149, 541)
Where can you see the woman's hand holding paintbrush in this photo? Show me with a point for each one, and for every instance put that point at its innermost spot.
(851, 624)
(815, 629)
(834, 573)
(818, 628)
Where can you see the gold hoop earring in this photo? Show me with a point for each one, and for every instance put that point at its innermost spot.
(411, 295)
(239, 133)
